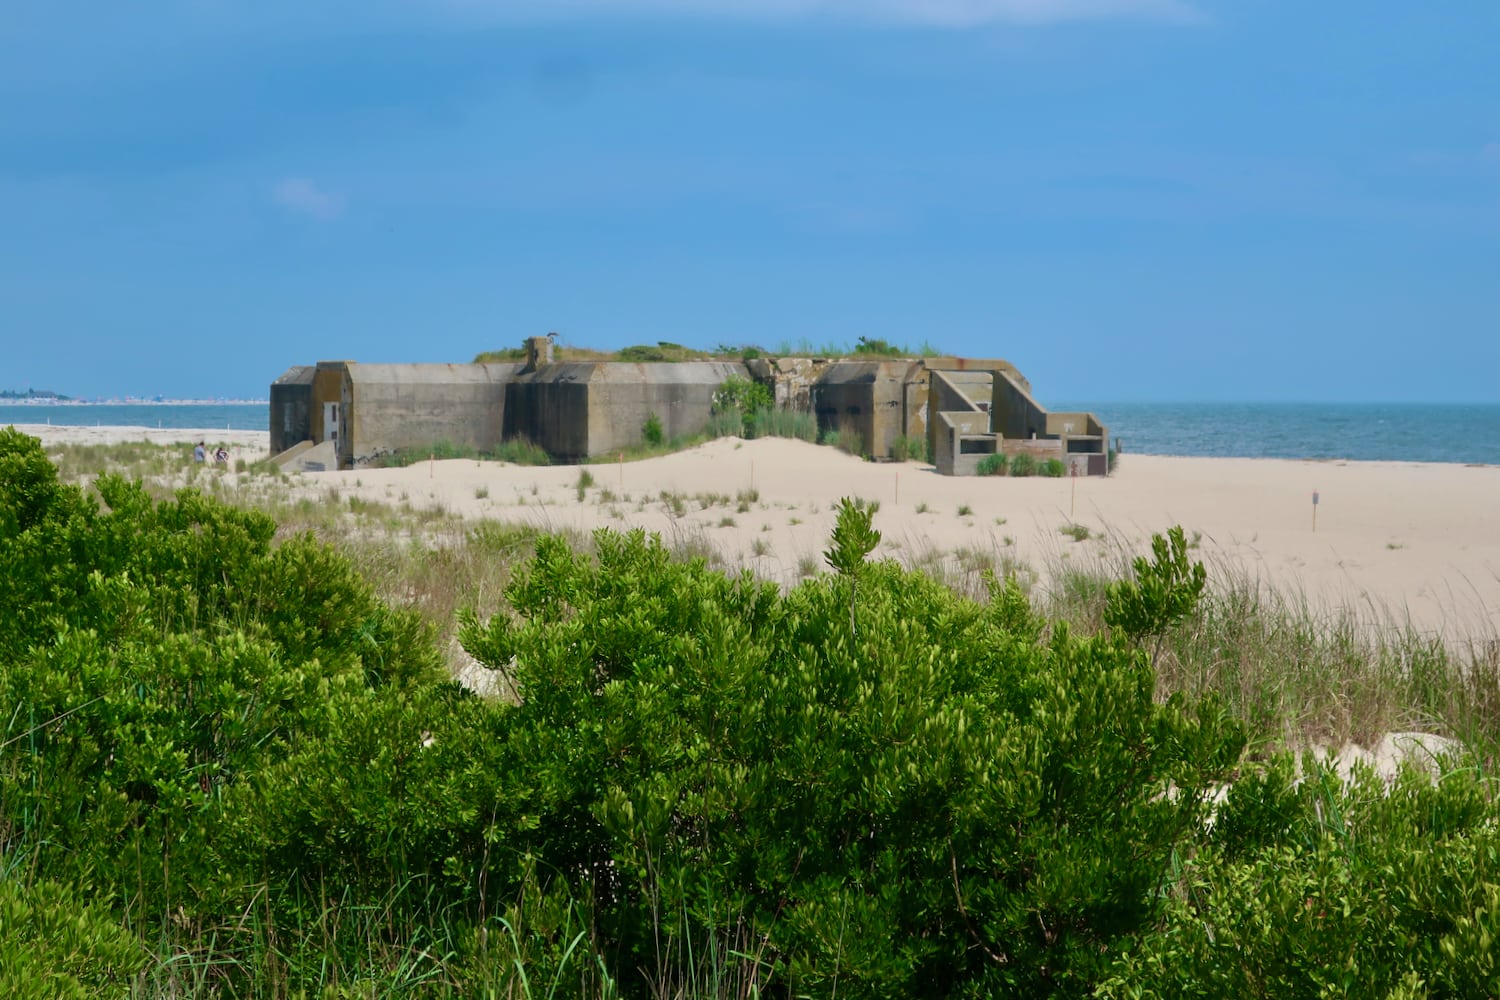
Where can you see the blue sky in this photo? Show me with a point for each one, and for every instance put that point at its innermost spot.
(1129, 199)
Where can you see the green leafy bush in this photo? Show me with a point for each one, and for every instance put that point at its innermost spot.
(651, 430)
(876, 347)
(1165, 589)
(1310, 887)
(53, 946)
(158, 655)
(938, 803)
(1054, 468)
(993, 465)
(1022, 464)
(741, 395)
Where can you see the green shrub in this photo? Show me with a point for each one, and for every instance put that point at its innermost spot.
(1054, 468)
(742, 400)
(888, 785)
(53, 946)
(876, 347)
(159, 653)
(651, 430)
(741, 395)
(1310, 887)
(993, 465)
(1164, 590)
(1022, 464)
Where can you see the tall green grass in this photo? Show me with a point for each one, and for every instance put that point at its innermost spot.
(784, 424)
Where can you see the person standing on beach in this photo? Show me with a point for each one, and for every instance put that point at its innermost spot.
(199, 452)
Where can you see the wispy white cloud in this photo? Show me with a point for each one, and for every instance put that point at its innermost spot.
(937, 13)
(303, 196)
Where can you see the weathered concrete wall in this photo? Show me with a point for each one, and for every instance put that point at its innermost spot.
(1014, 413)
(978, 365)
(1040, 449)
(550, 407)
(394, 407)
(623, 396)
(291, 408)
(867, 397)
(789, 379)
(916, 396)
(327, 387)
(1085, 441)
(951, 429)
(947, 395)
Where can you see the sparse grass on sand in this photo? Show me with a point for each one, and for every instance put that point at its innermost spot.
(1295, 672)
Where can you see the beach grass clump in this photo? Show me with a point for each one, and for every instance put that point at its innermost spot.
(521, 451)
(909, 448)
(783, 423)
(646, 449)
(845, 439)
(864, 347)
(1054, 468)
(1022, 464)
(440, 451)
(722, 425)
(993, 465)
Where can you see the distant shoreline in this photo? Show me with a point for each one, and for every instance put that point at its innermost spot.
(130, 401)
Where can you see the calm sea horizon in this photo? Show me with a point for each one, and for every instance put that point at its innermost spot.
(1463, 433)
(1386, 432)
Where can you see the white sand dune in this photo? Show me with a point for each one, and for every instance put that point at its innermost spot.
(1393, 541)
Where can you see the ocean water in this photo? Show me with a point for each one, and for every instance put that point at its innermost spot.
(1387, 432)
(1401, 432)
(230, 416)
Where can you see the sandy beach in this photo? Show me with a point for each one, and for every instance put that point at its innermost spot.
(1393, 541)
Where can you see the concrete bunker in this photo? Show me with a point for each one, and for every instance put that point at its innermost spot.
(965, 409)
